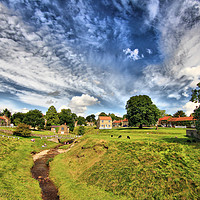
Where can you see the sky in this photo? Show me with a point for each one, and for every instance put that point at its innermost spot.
(92, 56)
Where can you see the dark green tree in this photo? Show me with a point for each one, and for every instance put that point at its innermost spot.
(81, 130)
(52, 116)
(7, 113)
(22, 130)
(102, 114)
(142, 111)
(91, 118)
(17, 118)
(81, 121)
(179, 113)
(114, 117)
(196, 98)
(34, 118)
(66, 117)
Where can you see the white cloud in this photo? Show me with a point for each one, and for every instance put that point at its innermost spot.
(79, 104)
(190, 107)
(132, 54)
(24, 110)
(153, 8)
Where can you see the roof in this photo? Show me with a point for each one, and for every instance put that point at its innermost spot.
(178, 119)
(2, 118)
(105, 118)
(125, 120)
(165, 118)
(119, 121)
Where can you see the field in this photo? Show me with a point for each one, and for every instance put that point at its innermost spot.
(152, 164)
(16, 181)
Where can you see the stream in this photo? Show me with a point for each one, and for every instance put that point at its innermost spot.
(40, 171)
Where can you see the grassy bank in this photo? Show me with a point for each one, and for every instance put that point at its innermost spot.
(16, 181)
(152, 164)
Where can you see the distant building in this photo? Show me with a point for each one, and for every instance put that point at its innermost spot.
(90, 123)
(120, 123)
(4, 121)
(169, 121)
(104, 122)
(63, 129)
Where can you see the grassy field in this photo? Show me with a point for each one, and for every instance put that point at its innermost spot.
(152, 164)
(16, 181)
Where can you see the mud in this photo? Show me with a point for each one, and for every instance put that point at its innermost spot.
(40, 171)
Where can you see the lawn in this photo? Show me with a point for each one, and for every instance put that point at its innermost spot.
(152, 164)
(16, 181)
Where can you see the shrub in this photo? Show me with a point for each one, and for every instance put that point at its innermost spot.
(81, 130)
(22, 130)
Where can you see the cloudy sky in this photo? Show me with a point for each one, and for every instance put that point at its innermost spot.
(92, 56)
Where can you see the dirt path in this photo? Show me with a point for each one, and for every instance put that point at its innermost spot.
(40, 171)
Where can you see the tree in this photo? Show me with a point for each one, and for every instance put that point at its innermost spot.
(81, 130)
(17, 118)
(52, 116)
(141, 111)
(81, 121)
(22, 130)
(91, 118)
(7, 113)
(34, 118)
(196, 98)
(179, 113)
(102, 114)
(114, 117)
(66, 116)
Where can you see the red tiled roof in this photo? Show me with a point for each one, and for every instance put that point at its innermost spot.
(178, 119)
(116, 122)
(164, 118)
(105, 118)
(2, 118)
(125, 120)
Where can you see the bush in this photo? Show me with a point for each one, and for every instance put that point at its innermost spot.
(81, 130)
(22, 130)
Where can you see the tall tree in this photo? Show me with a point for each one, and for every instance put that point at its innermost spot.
(196, 98)
(34, 118)
(141, 111)
(102, 114)
(66, 116)
(17, 118)
(52, 116)
(6, 112)
(179, 113)
(91, 118)
(81, 121)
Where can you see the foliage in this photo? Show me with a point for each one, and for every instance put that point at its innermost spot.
(81, 121)
(163, 113)
(66, 116)
(52, 116)
(114, 117)
(103, 114)
(34, 118)
(81, 130)
(22, 130)
(141, 111)
(196, 94)
(91, 118)
(6, 112)
(179, 113)
(197, 117)
(17, 118)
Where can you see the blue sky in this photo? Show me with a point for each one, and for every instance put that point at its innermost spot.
(92, 56)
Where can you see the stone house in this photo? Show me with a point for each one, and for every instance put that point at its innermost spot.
(63, 129)
(104, 122)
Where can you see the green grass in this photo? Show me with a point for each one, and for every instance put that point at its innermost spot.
(16, 181)
(159, 165)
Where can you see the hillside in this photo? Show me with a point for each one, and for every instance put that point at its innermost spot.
(151, 165)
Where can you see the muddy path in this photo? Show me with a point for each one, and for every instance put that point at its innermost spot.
(40, 171)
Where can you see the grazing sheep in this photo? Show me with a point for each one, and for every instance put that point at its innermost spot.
(111, 136)
(119, 136)
(128, 137)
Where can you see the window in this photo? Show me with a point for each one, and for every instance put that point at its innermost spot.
(109, 125)
(62, 129)
(109, 121)
(102, 121)
(102, 125)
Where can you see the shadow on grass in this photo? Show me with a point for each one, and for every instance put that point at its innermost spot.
(186, 140)
(134, 128)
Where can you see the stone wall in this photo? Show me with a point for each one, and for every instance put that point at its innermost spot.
(193, 133)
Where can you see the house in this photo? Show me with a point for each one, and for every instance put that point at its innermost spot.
(182, 122)
(104, 122)
(120, 123)
(164, 121)
(4, 121)
(90, 123)
(63, 129)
